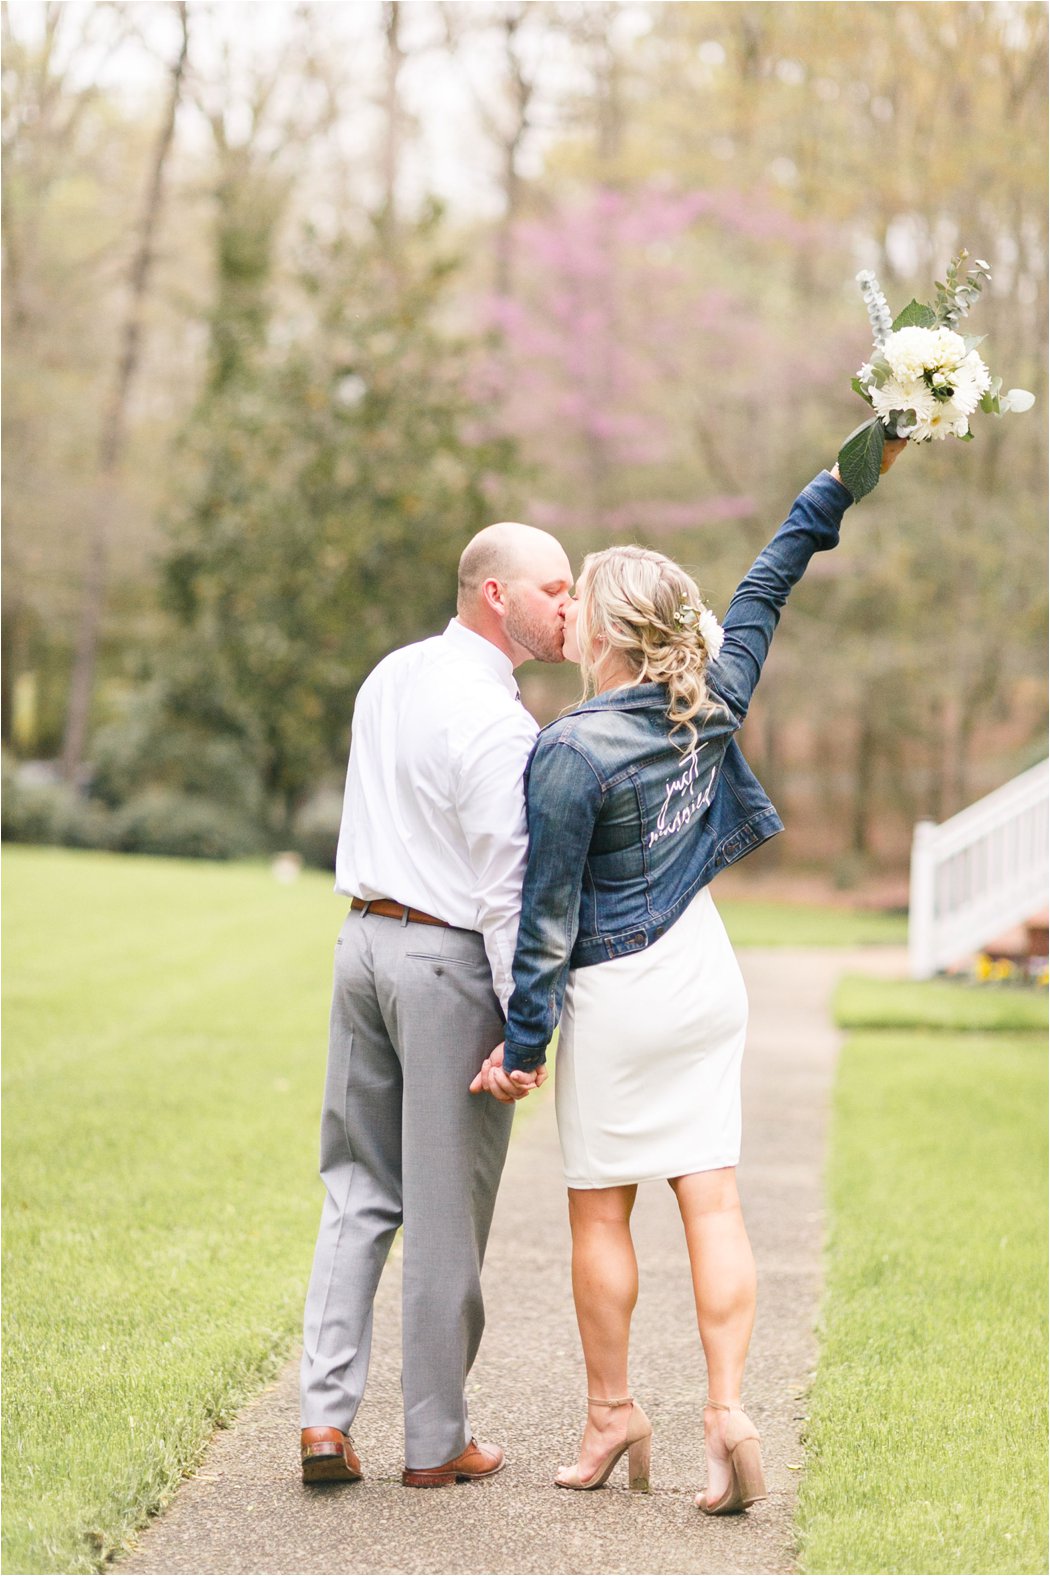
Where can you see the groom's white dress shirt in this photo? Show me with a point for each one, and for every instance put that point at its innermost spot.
(434, 807)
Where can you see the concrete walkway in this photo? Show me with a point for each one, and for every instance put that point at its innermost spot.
(246, 1510)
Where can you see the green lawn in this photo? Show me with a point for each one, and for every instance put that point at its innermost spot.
(864, 1003)
(165, 1026)
(761, 924)
(165, 1029)
(927, 1430)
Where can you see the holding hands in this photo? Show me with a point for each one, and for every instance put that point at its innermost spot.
(506, 1087)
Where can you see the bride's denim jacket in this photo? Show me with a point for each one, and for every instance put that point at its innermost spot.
(624, 829)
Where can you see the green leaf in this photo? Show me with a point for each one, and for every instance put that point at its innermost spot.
(897, 419)
(971, 341)
(915, 315)
(860, 458)
(860, 388)
(966, 437)
(990, 400)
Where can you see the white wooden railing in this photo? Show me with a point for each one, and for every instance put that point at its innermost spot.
(982, 872)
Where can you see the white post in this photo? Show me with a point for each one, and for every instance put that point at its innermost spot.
(921, 900)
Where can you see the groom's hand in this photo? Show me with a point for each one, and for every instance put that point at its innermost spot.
(503, 1086)
(480, 1081)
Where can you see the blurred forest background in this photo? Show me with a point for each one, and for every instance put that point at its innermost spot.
(298, 297)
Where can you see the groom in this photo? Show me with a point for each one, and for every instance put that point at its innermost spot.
(431, 853)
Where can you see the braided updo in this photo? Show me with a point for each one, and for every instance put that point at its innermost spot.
(640, 610)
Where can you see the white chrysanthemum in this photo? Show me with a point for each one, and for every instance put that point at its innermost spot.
(897, 395)
(946, 421)
(969, 381)
(711, 633)
(912, 351)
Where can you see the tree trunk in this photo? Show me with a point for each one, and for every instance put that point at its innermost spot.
(390, 158)
(112, 441)
(521, 90)
(863, 783)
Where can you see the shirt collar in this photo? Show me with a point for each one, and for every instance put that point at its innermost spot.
(482, 650)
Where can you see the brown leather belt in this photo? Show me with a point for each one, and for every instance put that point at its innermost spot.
(386, 908)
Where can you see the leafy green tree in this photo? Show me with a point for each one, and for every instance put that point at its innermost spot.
(330, 484)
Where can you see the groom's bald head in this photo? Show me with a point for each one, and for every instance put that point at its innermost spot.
(514, 584)
(505, 552)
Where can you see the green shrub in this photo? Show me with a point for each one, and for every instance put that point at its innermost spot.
(156, 746)
(82, 823)
(315, 831)
(52, 813)
(184, 827)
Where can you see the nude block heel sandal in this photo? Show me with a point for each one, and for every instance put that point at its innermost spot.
(747, 1482)
(637, 1446)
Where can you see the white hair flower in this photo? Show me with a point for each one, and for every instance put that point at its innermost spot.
(703, 623)
(711, 633)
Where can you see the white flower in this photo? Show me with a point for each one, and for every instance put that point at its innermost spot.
(969, 381)
(912, 351)
(897, 395)
(711, 633)
(945, 421)
(865, 373)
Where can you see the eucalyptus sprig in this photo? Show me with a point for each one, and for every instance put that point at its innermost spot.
(879, 315)
(955, 298)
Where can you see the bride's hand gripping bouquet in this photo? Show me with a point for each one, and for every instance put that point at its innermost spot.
(924, 380)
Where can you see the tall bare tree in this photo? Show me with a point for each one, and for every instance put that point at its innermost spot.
(505, 108)
(393, 128)
(114, 425)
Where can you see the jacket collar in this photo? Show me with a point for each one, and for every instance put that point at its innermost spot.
(632, 697)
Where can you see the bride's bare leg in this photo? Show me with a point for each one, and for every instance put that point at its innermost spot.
(605, 1290)
(724, 1286)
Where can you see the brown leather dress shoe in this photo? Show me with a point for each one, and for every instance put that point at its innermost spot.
(477, 1461)
(328, 1456)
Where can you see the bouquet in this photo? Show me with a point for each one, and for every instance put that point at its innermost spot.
(924, 380)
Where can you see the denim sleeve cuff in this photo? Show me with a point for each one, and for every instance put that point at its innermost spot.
(522, 1058)
(829, 494)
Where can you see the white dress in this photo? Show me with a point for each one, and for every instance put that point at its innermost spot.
(649, 1053)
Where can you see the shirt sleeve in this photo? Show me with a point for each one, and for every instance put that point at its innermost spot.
(490, 798)
(564, 797)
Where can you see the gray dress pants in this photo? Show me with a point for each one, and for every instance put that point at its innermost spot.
(404, 1142)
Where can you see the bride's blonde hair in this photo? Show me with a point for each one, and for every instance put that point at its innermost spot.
(640, 608)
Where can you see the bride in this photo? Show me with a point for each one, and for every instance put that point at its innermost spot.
(636, 799)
